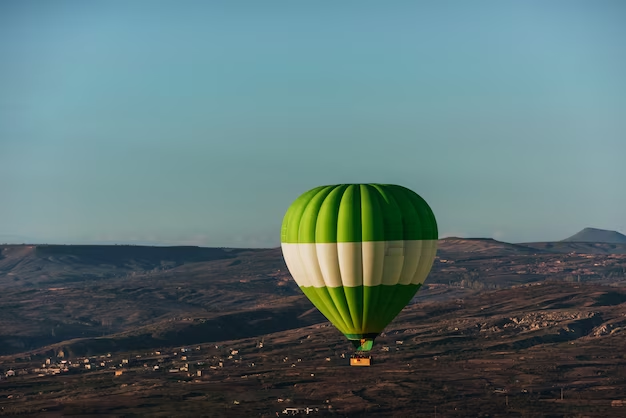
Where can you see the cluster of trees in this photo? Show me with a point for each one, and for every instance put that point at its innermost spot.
(615, 273)
(471, 280)
(477, 284)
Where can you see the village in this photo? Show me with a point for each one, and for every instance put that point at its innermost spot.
(195, 364)
(183, 361)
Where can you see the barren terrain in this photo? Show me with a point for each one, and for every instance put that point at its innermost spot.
(500, 330)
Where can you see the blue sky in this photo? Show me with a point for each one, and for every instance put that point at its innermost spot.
(166, 122)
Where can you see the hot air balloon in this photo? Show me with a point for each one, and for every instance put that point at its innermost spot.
(359, 252)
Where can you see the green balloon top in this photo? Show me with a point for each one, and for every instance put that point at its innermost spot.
(358, 213)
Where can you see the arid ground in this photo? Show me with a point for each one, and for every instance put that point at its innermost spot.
(532, 330)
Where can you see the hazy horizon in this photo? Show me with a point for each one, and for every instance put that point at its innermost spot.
(168, 244)
(197, 123)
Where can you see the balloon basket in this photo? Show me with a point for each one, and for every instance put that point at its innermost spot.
(360, 360)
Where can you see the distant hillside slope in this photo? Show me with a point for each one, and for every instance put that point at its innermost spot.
(453, 247)
(50, 263)
(566, 247)
(598, 236)
(57, 293)
(587, 241)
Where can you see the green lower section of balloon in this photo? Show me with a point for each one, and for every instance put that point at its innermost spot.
(362, 344)
(361, 312)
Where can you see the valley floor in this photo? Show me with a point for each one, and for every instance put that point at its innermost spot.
(550, 350)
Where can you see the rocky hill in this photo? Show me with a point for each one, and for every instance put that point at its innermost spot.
(597, 236)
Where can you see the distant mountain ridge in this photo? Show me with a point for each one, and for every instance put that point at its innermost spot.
(597, 235)
(454, 246)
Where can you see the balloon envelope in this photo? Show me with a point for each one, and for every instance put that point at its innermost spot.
(359, 252)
